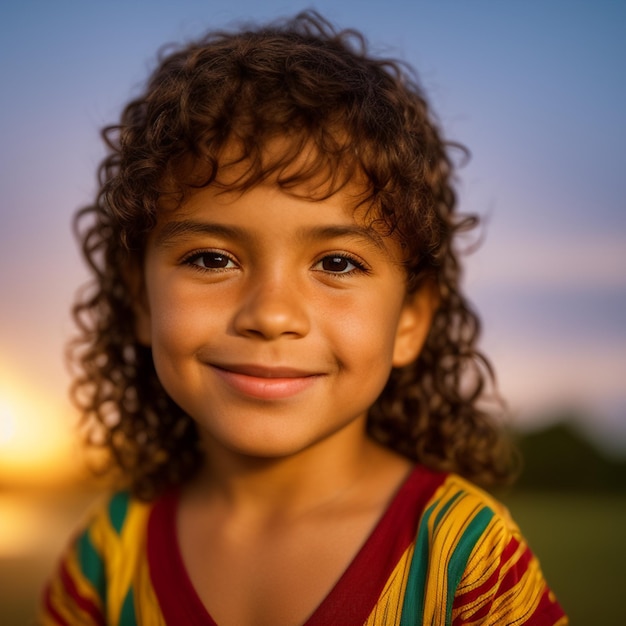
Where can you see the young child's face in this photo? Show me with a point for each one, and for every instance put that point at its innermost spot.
(275, 320)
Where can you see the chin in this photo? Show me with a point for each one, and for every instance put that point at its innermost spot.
(266, 445)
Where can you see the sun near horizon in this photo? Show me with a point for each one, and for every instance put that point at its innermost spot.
(38, 444)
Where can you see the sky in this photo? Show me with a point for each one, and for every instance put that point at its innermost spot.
(535, 90)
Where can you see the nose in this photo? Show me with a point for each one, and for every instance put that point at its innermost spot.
(272, 307)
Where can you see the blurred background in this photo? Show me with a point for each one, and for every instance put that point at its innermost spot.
(536, 90)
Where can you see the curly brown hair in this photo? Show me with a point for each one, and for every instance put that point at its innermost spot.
(303, 80)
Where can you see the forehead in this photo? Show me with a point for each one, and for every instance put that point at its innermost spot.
(262, 203)
(269, 213)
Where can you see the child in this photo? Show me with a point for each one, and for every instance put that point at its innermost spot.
(277, 357)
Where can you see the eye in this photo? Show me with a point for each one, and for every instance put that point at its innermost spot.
(340, 264)
(208, 260)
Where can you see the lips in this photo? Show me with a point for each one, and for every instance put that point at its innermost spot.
(265, 383)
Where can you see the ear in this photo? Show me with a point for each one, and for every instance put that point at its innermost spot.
(135, 281)
(414, 323)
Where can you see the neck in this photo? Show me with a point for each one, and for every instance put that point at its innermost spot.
(287, 486)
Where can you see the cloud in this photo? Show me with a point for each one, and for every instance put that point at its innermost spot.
(599, 262)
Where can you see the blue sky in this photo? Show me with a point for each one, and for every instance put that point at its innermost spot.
(536, 90)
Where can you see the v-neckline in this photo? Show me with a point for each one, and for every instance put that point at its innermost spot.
(353, 596)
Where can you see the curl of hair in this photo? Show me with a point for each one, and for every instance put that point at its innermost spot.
(303, 81)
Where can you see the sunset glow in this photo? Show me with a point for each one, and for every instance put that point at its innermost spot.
(19, 528)
(7, 423)
(35, 435)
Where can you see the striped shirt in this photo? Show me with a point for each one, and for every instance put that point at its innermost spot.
(443, 553)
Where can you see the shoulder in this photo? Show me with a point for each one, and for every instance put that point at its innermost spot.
(445, 500)
(480, 568)
(114, 526)
(459, 505)
(460, 524)
(92, 577)
(117, 519)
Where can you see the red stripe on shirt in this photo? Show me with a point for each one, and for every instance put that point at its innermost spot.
(514, 575)
(85, 604)
(51, 610)
(469, 597)
(548, 611)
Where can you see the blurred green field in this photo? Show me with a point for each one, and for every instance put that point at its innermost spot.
(581, 542)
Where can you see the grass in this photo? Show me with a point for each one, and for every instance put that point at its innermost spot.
(580, 540)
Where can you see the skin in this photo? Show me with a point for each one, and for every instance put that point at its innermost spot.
(274, 321)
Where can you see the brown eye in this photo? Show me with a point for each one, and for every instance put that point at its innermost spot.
(341, 265)
(211, 261)
(337, 264)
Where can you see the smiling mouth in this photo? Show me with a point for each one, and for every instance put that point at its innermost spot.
(266, 383)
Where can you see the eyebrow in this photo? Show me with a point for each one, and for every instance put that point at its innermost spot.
(351, 231)
(173, 231)
(176, 230)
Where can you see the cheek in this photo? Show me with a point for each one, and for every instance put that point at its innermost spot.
(365, 333)
(178, 330)
(179, 319)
